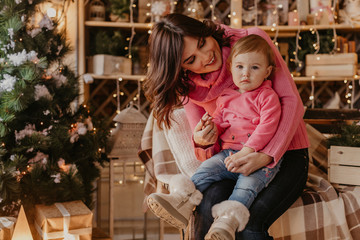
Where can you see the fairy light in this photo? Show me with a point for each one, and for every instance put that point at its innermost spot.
(212, 8)
(297, 47)
(353, 93)
(350, 91)
(132, 5)
(335, 48)
(312, 97)
(118, 95)
(138, 95)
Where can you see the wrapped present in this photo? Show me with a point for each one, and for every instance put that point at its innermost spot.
(6, 227)
(67, 220)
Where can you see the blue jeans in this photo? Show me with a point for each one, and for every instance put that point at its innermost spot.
(268, 206)
(246, 188)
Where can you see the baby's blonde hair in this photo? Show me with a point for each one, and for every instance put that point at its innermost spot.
(252, 43)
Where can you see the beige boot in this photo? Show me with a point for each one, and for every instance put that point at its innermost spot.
(176, 208)
(230, 216)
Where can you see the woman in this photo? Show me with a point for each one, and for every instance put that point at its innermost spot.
(187, 67)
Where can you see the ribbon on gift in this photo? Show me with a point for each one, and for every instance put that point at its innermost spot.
(66, 233)
(7, 222)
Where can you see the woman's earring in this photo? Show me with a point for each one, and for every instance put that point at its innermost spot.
(185, 73)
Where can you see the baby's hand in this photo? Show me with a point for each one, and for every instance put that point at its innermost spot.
(205, 132)
(206, 119)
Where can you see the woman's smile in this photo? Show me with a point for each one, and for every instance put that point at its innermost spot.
(201, 55)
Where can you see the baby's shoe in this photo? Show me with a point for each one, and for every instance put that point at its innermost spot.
(176, 208)
(230, 216)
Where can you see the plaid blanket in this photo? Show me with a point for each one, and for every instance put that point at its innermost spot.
(166, 152)
(323, 212)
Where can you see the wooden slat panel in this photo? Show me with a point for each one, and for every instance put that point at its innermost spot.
(345, 156)
(344, 175)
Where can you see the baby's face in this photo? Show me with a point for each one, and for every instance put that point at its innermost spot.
(249, 70)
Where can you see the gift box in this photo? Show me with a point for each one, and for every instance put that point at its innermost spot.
(344, 165)
(67, 220)
(103, 64)
(330, 65)
(6, 227)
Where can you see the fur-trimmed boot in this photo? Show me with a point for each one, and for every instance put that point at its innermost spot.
(230, 216)
(176, 208)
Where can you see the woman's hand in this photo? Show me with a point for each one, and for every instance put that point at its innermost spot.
(249, 163)
(205, 132)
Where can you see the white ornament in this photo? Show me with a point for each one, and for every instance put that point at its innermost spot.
(60, 79)
(32, 56)
(57, 178)
(46, 23)
(27, 131)
(42, 92)
(81, 129)
(11, 32)
(17, 59)
(88, 78)
(33, 33)
(7, 84)
(160, 8)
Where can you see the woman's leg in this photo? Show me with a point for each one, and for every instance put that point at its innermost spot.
(280, 194)
(216, 193)
(270, 204)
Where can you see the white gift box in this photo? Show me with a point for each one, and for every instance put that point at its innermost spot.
(104, 64)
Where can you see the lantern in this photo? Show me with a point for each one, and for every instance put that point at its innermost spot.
(125, 138)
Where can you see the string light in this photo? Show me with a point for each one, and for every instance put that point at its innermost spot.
(212, 7)
(118, 95)
(312, 97)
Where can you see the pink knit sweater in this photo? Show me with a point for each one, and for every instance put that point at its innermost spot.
(291, 133)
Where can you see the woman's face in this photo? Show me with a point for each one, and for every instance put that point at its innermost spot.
(201, 55)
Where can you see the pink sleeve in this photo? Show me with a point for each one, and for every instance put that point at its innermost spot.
(270, 111)
(193, 113)
(205, 153)
(292, 109)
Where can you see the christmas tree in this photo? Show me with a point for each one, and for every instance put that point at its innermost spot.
(51, 146)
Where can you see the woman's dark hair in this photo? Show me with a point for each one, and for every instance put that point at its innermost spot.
(166, 85)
